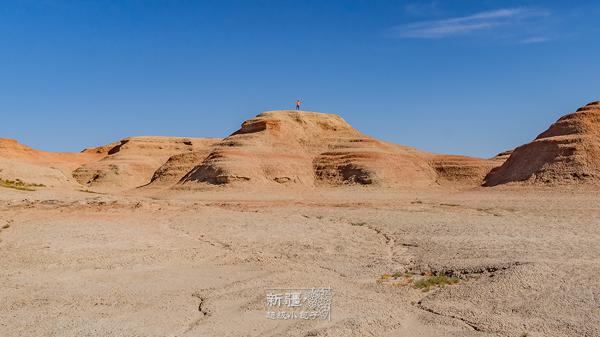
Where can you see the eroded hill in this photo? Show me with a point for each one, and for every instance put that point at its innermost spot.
(568, 152)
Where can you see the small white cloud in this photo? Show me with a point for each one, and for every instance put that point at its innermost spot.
(466, 24)
(535, 39)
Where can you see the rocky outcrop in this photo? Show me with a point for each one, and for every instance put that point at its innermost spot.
(180, 164)
(276, 147)
(51, 169)
(567, 153)
(133, 161)
(463, 171)
(368, 161)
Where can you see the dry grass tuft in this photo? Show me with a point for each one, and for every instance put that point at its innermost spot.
(432, 281)
(19, 185)
(425, 281)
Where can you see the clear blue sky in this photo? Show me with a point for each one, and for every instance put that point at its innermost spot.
(465, 77)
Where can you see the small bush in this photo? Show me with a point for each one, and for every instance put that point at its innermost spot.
(424, 281)
(432, 281)
(19, 184)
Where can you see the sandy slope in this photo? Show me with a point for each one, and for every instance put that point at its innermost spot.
(133, 161)
(18, 161)
(198, 264)
(567, 153)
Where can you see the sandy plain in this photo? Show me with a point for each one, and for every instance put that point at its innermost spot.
(199, 263)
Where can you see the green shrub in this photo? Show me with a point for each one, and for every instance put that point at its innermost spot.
(432, 281)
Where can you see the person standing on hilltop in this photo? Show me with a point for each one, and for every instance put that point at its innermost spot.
(298, 104)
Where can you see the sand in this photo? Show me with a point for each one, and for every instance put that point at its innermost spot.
(199, 264)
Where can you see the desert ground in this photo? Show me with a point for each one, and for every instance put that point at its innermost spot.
(190, 264)
(173, 236)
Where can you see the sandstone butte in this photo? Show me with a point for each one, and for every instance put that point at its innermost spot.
(314, 149)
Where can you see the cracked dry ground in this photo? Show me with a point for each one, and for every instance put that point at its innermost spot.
(200, 264)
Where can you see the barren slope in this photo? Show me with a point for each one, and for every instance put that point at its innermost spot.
(180, 164)
(463, 171)
(133, 161)
(568, 152)
(18, 161)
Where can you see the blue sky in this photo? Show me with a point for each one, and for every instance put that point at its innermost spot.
(464, 77)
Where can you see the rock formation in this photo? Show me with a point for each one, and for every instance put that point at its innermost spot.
(314, 149)
(18, 161)
(133, 161)
(461, 170)
(180, 164)
(276, 148)
(568, 152)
